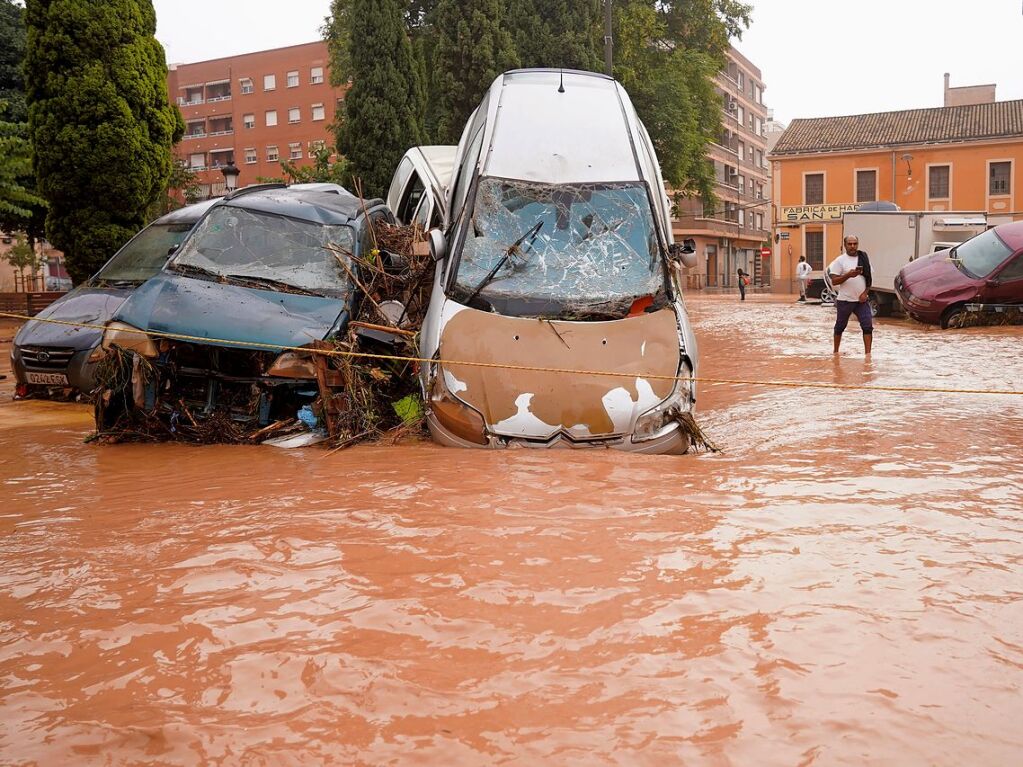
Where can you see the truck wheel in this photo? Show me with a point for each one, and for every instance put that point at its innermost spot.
(953, 316)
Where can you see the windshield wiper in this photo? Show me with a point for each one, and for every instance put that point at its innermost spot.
(269, 282)
(512, 249)
(193, 269)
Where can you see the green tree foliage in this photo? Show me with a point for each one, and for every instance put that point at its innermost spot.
(323, 169)
(556, 33)
(17, 200)
(23, 256)
(101, 125)
(383, 115)
(12, 54)
(182, 188)
(472, 47)
(666, 56)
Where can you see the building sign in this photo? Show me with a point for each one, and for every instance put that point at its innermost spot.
(801, 214)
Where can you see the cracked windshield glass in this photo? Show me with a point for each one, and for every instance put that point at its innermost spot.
(145, 255)
(232, 242)
(581, 247)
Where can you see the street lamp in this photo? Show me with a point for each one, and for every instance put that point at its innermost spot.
(231, 174)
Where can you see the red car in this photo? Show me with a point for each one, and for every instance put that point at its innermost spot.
(987, 269)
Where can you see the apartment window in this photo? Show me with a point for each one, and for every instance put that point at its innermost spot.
(749, 156)
(742, 185)
(742, 217)
(738, 78)
(295, 151)
(757, 93)
(272, 155)
(815, 250)
(316, 75)
(294, 115)
(271, 118)
(250, 156)
(741, 146)
(269, 82)
(318, 112)
(317, 146)
(249, 121)
(759, 158)
(813, 189)
(760, 220)
(999, 175)
(246, 85)
(292, 79)
(937, 182)
(758, 126)
(740, 115)
(866, 185)
(197, 160)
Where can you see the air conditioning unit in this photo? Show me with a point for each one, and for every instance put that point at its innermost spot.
(733, 105)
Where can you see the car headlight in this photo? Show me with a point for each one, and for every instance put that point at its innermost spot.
(651, 423)
(454, 415)
(129, 338)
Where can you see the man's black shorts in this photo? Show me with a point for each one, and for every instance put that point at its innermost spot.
(862, 311)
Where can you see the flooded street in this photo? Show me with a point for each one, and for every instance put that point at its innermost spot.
(841, 586)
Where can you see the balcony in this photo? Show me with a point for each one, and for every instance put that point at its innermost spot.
(196, 134)
(190, 101)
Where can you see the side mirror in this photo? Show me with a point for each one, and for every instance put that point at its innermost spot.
(684, 253)
(172, 250)
(438, 245)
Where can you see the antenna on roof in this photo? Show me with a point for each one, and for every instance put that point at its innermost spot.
(561, 87)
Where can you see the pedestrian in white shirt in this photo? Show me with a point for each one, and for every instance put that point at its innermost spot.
(850, 274)
(803, 270)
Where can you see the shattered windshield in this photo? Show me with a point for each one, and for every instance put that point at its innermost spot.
(145, 254)
(236, 243)
(981, 254)
(580, 247)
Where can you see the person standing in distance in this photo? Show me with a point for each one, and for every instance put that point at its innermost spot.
(803, 270)
(850, 274)
(743, 282)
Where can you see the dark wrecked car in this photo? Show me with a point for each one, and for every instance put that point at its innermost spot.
(56, 356)
(987, 270)
(208, 350)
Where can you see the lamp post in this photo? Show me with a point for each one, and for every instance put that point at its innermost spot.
(231, 174)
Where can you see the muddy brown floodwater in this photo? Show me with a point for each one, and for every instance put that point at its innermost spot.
(841, 586)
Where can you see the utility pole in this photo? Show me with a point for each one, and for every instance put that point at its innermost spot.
(608, 41)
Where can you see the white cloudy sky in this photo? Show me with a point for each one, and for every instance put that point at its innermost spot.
(818, 57)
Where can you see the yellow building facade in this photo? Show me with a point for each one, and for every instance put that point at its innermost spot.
(960, 158)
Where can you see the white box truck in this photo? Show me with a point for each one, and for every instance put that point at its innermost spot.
(894, 238)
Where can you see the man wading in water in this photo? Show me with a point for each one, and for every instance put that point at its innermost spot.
(850, 274)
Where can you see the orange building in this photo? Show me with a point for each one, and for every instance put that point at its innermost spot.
(730, 235)
(952, 158)
(254, 110)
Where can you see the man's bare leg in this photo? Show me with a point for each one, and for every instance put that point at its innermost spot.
(838, 341)
(868, 339)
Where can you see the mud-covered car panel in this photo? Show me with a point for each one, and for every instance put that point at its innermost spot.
(535, 403)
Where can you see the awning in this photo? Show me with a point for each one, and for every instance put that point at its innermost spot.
(218, 82)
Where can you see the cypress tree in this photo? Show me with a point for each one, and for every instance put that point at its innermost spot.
(556, 33)
(383, 109)
(101, 125)
(472, 47)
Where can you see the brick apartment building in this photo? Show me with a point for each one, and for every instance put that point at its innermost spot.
(254, 109)
(731, 235)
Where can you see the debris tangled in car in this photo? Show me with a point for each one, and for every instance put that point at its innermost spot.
(256, 329)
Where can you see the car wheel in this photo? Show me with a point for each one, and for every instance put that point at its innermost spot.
(874, 304)
(953, 316)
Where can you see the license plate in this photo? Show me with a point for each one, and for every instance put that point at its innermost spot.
(52, 379)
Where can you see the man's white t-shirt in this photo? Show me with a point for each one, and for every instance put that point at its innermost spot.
(803, 270)
(850, 290)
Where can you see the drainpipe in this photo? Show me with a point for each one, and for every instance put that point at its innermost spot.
(893, 176)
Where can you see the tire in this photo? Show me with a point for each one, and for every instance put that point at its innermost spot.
(950, 316)
(875, 305)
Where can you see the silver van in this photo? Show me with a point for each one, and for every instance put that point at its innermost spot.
(556, 318)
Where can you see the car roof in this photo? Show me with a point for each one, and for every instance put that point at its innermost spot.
(1011, 234)
(334, 207)
(554, 126)
(189, 214)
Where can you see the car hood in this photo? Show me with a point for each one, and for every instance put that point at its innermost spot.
(540, 403)
(252, 318)
(934, 273)
(87, 305)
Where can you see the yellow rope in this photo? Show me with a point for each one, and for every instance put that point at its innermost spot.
(506, 366)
